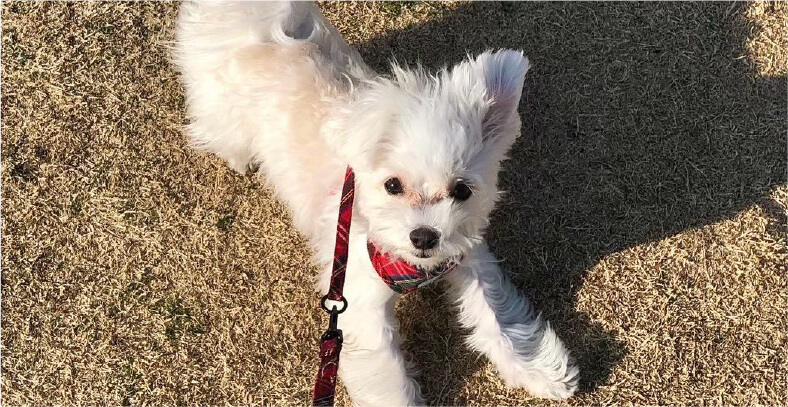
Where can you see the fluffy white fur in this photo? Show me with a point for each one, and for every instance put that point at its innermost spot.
(275, 85)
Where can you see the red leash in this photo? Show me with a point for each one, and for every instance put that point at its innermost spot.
(331, 341)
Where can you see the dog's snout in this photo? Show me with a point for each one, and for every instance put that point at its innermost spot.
(424, 237)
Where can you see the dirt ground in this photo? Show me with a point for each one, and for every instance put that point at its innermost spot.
(645, 212)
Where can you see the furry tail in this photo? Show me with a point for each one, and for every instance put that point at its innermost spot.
(212, 30)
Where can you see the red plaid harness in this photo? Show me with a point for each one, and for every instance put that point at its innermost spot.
(398, 274)
(401, 276)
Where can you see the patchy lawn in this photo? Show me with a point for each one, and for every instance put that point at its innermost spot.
(645, 212)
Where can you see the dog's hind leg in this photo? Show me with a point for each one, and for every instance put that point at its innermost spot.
(219, 90)
(523, 347)
(255, 74)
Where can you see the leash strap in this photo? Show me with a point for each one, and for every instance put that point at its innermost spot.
(331, 341)
(343, 237)
(326, 383)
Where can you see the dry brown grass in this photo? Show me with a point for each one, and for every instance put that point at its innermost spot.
(646, 210)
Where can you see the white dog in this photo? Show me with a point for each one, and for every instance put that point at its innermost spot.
(275, 85)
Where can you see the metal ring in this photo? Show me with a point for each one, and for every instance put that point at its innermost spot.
(325, 308)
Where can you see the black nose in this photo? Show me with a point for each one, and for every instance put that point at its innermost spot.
(424, 238)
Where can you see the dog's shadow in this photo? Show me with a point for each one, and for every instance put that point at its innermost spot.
(639, 121)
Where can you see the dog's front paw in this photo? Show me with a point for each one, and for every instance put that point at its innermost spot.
(543, 367)
(540, 385)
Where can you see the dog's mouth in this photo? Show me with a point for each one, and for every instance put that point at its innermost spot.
(430, 258)
(423, 254)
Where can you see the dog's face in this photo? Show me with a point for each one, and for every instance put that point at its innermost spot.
(427, 150)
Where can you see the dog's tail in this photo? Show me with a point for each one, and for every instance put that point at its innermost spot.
(211, 31)
(217, 28)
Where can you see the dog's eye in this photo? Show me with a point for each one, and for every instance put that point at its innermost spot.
(461, 191)
(393, 186)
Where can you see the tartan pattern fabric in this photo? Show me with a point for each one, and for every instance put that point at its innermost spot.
(343, 237)
(401, 276)
(327, 375)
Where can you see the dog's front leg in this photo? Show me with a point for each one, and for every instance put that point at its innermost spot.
(504, 326)
(371, 364)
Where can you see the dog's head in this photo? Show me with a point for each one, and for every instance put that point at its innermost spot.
(427, 149)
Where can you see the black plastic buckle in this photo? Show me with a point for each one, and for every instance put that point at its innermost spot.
(333, 316)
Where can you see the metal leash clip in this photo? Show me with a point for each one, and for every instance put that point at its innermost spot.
(333, 314)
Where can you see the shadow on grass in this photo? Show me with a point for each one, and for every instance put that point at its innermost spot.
(639, 121)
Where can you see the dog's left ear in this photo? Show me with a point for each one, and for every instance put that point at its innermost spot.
(501, 74)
